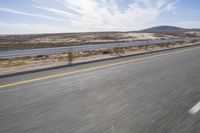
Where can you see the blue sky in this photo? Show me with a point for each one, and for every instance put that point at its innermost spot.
(50, 16)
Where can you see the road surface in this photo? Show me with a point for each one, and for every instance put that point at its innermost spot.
(157, 93)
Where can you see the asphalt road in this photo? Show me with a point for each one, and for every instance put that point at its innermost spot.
(157, 94)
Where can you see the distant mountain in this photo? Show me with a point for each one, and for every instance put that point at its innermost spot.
(168, 29)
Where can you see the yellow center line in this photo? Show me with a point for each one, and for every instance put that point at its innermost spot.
(90, 69)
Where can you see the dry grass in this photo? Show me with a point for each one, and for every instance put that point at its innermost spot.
(12, 63)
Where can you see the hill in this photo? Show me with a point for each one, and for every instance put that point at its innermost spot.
(168, 29)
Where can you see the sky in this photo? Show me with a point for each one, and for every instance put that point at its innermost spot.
(56, 16)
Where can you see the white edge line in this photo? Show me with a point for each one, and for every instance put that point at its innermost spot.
(195, 109)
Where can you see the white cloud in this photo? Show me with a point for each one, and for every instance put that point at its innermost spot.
(56, 11)
(171, 7)
(2, 9)
(161, 3)
(21, 28)
(94, 15)
(14, 11)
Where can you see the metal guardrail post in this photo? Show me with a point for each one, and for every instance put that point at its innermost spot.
(146, 46)
(118, 50)
(70, 57)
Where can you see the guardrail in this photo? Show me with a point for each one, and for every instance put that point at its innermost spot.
(69, 49)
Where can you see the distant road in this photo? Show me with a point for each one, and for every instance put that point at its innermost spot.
(156, 93)
(47, 51)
